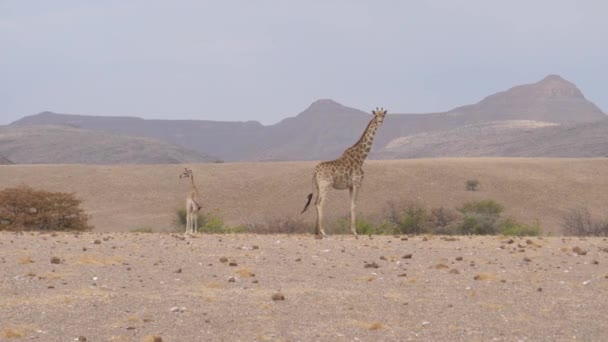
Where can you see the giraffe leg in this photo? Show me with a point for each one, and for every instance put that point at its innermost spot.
(353, 206)
(194, 222)
(319, 205)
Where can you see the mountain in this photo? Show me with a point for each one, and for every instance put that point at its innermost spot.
(5, 161)
(552, 99)
(326, 128)
(509, 138)
(69, 145)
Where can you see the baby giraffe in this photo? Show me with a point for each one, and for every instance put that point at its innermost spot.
(192, 204)
(345, 172)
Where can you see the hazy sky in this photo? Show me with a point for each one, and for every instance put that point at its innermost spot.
(267, 60)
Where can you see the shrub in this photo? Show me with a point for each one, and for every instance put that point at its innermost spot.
(510, 227)
(24, 208)
(409, 218)
(480, 217)
(208, 222)
(472, 184)
(278, 225)
(579, 222)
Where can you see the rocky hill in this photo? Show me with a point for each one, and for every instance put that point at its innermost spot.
(68, 145)
(326, 128)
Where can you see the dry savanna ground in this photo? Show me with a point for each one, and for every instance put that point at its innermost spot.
(128, 197)
(240, 287)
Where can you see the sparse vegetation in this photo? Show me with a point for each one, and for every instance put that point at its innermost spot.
(208, 222)
(510, 227)
(480, 217)
(580, 222)
(408, 218)
(23, 208)
(472, 184)
(278, 225)
(143, 230)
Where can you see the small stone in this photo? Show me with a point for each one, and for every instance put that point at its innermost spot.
(579, 250)
(299, 259)
(55, 260)
(255, 281)
(526, 259)
(540, 289)
(153, 339)
(454, 271)
(231, 279)
(179, 270)
(510, 241)
(97, 242)
(382, 257)
(407, 256)
(458, 258)
(130, 328)
(425, 239)
(371, 265)
(223, 259)
(233, 263)
(595, 262)
(529, 242)
(255, 247)
(404, 239)
(402, 275)
(278, 296)
(81, 339)
(84, 249)
(441, 266)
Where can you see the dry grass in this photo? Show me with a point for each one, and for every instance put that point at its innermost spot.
(24, 260)
(91, 259)
(244, 273)
(14, 332)
(529, 188)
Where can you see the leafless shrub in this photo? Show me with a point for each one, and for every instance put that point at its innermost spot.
(24, 208)
(278, 225)
(472, 184)
(580, 222)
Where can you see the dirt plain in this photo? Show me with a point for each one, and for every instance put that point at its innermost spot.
(128, 197)
(133, 287)
(116, 285)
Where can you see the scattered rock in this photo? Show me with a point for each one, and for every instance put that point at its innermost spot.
(526, 259)
(595, 262)
(402, 275)
(223, 259)
(179, 270)
(382, 257)
(278, 296)
(231, 279)
(255, 247)
(441, 266)
(579, 250)
(81, 339)
(425, 239)
(152, 338)
(299, 259)
(371, 265)
(97, 242)
(454, 271)
(407, 256)
(178, 309)
(55, 260)
(540, 289)
(233, 263)
(483, 276)
(459, 258)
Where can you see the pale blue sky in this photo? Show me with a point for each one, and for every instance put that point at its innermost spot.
(267, 60)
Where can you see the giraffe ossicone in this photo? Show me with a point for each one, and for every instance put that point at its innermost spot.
(344, 173)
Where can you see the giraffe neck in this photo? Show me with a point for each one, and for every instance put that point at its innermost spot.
(360, 150)
(194, 188)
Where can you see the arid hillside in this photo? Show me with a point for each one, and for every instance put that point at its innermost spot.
(325, 128)
(70, 145)
(128, 197)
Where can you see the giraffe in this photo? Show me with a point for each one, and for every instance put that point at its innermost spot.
(192, 205)
(345, 172)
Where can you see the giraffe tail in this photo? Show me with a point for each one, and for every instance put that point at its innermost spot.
(307, 203)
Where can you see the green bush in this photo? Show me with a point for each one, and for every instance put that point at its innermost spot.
(510, 227)
(408, 218)
(208, 222)
(24, 208)
(480, 217)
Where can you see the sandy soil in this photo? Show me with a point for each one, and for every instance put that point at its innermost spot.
(130, 287)
(125, 198)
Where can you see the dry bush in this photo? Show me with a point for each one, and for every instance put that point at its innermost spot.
(579, 222)
(24, 208)
(278, 225)
(472, 184)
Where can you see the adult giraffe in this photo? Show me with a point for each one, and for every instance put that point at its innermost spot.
(345, 172)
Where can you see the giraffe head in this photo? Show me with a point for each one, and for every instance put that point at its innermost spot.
(186, 174)
(379, 114)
